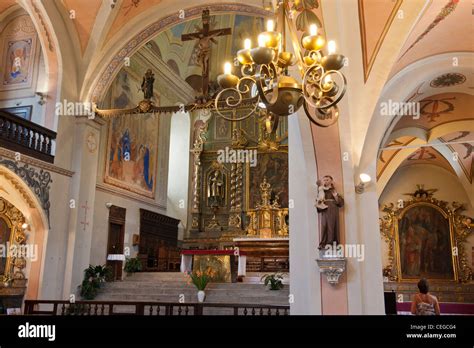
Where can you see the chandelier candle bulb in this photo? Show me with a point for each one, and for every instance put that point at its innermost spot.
(243, 55)
(313, 30)
(313, 42)
(227, 79)
(270, 25)
(227, 68)
(247, 44)
(332, 61)
(331, 47)
(262, 40)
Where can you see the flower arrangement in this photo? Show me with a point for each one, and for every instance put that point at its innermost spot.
(201, 278)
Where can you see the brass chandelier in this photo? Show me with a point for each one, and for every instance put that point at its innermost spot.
(265, 84)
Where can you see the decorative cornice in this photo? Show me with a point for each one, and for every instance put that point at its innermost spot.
(36, 162)
(129, 195)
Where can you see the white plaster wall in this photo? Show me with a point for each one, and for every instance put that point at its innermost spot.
(53, 269)
(178, 168)
(124, 199)
(449, 189)
(101, 224)
(305, 281)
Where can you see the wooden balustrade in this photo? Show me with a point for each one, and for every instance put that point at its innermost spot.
(93, 308)
(23, 136)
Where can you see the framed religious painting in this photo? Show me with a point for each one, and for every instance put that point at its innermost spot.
(425, 243)
(426, 240)
(132, 141)
(20, 55)
(132, 153)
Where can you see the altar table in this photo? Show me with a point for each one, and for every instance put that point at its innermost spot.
(190, 259)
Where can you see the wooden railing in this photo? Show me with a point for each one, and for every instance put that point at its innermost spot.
(45, 307)
(268, 264)
(23, 136)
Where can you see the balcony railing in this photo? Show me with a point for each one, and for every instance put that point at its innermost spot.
(25, 137)
(45, 307)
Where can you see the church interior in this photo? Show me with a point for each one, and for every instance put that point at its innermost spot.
(230, 157)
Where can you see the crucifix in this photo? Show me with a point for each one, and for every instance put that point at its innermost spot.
(206, 38)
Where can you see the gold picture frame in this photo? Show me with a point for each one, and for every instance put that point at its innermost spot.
(392, 228)
(14, 220)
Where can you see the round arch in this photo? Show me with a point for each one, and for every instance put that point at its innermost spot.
(399, 89)
(106, 65)
(17, 192)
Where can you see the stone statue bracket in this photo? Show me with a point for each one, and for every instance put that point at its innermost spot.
(331, 266)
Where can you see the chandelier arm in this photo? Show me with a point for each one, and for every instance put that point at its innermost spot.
(230, 103)
(340, 94)
(275, 123)
(295, 42)
(272, 73)
(318, 123)
(319, 85)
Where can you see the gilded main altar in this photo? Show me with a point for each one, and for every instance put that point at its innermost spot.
(232, 163)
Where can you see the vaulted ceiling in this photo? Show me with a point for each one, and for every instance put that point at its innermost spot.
(446, 123)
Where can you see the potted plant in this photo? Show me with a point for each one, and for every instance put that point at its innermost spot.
(94, 277)
(133, 265)
(274, 280)
(200, 279)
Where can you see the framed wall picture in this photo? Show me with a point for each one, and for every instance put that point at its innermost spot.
(20, 111)
(425, 238)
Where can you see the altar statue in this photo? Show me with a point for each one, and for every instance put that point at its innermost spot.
(215, 189)
(328, 204)
(147, 84)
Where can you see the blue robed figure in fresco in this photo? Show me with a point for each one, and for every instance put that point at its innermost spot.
(146, 168)
(125, 145)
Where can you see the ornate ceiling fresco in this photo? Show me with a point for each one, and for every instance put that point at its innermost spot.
(375, 20)
(181, 56)
(85, 13)
(441, 21)
(443, 118)
(462, 144)
(127, 11)
(440, 29)
(440, 109)
(6, 4)
(427, 155)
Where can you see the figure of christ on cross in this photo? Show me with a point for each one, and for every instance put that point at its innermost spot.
(206, 38)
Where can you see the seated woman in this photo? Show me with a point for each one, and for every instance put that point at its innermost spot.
(423, 302)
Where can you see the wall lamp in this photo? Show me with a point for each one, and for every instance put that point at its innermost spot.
(364, 180)
(42, 98)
